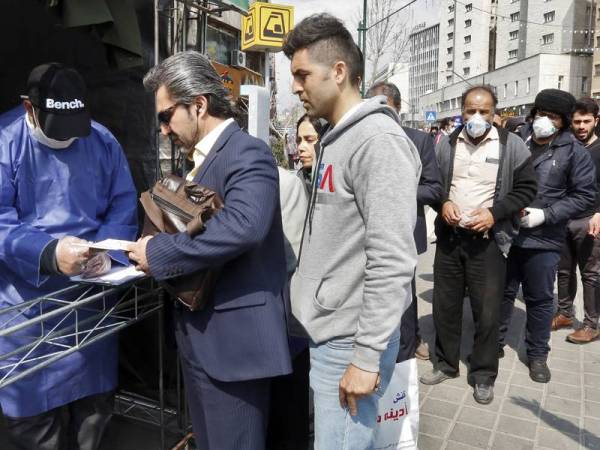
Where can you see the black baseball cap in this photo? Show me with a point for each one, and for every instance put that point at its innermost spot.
(59, 95)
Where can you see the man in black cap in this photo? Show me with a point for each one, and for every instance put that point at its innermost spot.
(566, 179)
(64, 181)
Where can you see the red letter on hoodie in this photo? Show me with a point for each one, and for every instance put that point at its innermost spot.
(328, 176)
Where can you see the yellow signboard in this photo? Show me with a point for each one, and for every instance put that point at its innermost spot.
(265, 26)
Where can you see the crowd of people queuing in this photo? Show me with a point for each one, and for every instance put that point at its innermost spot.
(316, 280)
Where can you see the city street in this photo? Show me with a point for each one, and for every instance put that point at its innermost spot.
(563, 414)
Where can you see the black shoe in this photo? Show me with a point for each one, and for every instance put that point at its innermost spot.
(435, 377)
(500, 353)
(538, 371)
(483, 393)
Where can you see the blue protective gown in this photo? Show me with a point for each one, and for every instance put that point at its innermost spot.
(85, 190)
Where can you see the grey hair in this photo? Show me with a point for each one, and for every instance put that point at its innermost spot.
(187, 75)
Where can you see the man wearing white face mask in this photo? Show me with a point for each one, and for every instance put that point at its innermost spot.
(566, 179)
(487, 178)
(64, 180)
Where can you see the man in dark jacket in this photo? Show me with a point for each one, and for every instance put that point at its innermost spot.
(487, 178)
(429, 192)
(566, 179)
(226, 367)
(581, 248)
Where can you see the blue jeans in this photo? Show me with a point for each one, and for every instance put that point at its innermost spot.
(535, 270)
(335, 428)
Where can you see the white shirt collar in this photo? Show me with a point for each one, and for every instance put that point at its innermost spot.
(205, 145)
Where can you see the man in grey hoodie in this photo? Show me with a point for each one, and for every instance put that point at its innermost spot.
(358, 254)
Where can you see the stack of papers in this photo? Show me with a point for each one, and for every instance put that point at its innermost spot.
(114, 277)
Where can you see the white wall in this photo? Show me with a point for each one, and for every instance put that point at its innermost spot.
(542, 70)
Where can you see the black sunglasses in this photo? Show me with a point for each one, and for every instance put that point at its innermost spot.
(164, 117)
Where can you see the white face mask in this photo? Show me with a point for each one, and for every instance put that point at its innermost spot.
(543, 127)
(36, 132)
(477, 126)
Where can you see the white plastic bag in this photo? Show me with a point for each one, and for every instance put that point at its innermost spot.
(398, 411)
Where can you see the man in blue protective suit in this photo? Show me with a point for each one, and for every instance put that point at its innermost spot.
(64, 181)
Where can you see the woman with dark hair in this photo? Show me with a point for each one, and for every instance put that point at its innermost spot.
(289, 414)
(308, 134)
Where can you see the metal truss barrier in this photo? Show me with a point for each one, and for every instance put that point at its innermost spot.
(79, 316)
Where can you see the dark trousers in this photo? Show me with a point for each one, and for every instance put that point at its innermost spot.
(225, 415)
(464, 260)
(581, 250)
(409, 329)
(289, 413)
(76, 426)
(535, 271)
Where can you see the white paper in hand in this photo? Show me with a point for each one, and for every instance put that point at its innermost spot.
(108, 244)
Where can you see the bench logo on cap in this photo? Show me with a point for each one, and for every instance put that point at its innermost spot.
(73, 104)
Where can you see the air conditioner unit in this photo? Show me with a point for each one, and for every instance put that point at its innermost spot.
(238, 59)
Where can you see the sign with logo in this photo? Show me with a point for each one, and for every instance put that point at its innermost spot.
(430, 116)
(233, 78)
(265, 26)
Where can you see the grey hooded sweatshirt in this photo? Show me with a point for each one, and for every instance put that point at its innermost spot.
(358, 253)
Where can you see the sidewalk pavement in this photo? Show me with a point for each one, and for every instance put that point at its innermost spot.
(563, 414)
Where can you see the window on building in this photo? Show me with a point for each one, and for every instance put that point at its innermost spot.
(466, 71)
(451, 22)
(450, 36)
(514, 35)
(468, 39)
(584, 84)
(516, 88)
(596, 95)
(505, 89)
(220, 43)
(469, 7)
(597, 70)
(549, 17)
(515, 1)
(449, 64)
(448, 78)
(467, 23)
(449, 50)
(514, 17)
(467, 55)
(528, 87)
(560, 81)
(512, 54)
(451, 8)
(548, 38)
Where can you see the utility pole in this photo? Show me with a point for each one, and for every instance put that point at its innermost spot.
(364, 46)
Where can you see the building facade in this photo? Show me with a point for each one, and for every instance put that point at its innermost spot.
(517, 84)
(423, 66)
(529, 27)
(467, 39)
(526, 45)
